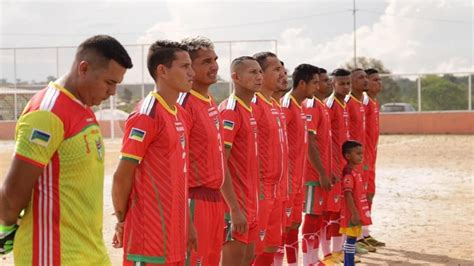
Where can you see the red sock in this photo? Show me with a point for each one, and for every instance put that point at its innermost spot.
(292, 246)
(264, 259)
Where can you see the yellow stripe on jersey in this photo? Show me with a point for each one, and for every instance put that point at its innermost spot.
(38, 136)
(127, 156)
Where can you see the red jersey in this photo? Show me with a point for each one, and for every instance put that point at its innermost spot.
(356, 111)
(270, 139)
(372, 130)
(352, 182)
(240, 134)
(319, 127)
(155, 224)
(283, 192)
(206, 155)
(340, 133)
(297, 142)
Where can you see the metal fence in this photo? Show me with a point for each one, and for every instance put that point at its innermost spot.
(26, 70)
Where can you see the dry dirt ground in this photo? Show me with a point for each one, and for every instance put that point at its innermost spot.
(423, 210)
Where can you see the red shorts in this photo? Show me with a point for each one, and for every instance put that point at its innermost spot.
(248, 237)
(294, 208)
(134, 263)
(269, 220)
(207, 212)
(315, 198)
(369, 180)
(334, 198)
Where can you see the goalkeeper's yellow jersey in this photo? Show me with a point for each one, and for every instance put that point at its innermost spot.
(63, 220)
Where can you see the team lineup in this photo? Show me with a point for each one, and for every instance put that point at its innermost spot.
(244, 182)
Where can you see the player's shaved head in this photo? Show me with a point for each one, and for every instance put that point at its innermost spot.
(239, 63)
(100, 49)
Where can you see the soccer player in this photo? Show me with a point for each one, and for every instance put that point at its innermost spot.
(240, 141)
(149, 189)
(355, 210)
(57, 173)
(270, 151)
(341, 83)
(371, 140)
(206, 175)
(318, 169)
(357, 125)
(283, 195)
(305, 82)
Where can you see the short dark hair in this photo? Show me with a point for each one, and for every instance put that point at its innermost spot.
(322, 70)
(370, 71)
(239, 60)
(303, 72)
(282, 63)
(340, 72)
(349, 145)
(356, 69)
(103, 48)
(262, 58)
(162, 52)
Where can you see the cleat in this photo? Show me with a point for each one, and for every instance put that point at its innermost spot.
(366, 245)
(360, 249)
(373, 242)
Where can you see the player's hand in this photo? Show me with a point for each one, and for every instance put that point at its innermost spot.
(117, 241)
(325, 183)
(335, 179)
(238, 220)
(192, 237)
(7, 234)
(355, 219)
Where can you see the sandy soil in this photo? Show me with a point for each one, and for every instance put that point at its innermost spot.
(423, 210)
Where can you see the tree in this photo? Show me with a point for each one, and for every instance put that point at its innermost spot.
(391, 90)
(127, 95)
(50, 79)
(443, 93)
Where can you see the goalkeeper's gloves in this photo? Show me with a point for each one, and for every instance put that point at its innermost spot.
(7, 233)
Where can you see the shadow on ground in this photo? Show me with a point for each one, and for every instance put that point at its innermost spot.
(388, 256)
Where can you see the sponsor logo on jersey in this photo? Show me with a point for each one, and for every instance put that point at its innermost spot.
(228, 124)
(137, 134)
(40, 137)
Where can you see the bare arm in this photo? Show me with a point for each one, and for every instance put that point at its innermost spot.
(239, 222)
(355, 219)
(121, 187)
(315, 159)
(15, 192)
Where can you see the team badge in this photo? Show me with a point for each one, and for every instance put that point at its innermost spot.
(309, 118)
(321, 201)
(288, 212)
(100, 149)
(40, 137)
(137, 134)
(336, 198)
(228, 124)
(262, 234)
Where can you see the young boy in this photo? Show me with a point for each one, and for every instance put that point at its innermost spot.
(355, 211)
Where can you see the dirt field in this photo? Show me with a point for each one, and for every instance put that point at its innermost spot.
(423, 210)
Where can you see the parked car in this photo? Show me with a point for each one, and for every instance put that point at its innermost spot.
(397, 107)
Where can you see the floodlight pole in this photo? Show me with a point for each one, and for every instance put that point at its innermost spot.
(355, 38)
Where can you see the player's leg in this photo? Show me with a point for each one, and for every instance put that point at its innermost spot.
(233, 253)
(280, 253)
(310, 243)
(266, 202)
(273, 235)
(292, 243)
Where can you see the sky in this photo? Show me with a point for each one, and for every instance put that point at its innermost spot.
(408, 36)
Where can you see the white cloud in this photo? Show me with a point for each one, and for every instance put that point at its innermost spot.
(403, 44)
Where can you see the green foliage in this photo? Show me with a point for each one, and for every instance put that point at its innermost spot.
(443, 93)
